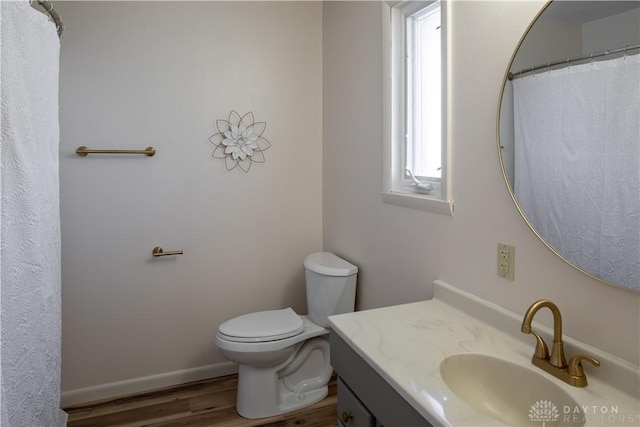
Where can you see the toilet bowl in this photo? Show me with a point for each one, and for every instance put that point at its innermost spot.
(283, 357)
(278, 375)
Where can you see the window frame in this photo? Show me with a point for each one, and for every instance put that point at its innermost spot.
(397, 189)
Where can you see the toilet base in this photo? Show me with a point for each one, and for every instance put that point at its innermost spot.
(287, 403)
(265, 392)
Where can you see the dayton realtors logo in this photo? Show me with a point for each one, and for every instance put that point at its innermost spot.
(545, 411)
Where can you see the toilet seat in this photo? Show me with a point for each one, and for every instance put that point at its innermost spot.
(262, 326)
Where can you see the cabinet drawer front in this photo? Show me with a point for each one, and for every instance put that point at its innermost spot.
(351, 412)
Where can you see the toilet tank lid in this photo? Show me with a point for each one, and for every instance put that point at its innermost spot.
(329, 264)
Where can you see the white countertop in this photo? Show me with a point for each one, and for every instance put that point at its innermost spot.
(406, 343)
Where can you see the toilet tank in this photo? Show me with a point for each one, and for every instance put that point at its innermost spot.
(331, 286)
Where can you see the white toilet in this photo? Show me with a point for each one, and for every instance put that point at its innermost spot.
(283, 357)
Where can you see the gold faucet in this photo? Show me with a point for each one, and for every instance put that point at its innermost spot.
(555, 364)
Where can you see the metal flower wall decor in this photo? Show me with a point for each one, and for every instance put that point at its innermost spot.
(239, 141)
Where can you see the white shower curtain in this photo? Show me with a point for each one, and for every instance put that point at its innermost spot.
(577, 163)
(30, 220)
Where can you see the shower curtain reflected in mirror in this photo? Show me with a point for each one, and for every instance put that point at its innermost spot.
(577, 164)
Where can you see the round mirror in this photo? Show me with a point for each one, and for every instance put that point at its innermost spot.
(569, 135)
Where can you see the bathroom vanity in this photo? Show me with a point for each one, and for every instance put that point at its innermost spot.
(458, 360)
(365, 399)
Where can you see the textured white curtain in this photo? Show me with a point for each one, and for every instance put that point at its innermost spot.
(30, 220)
(577, 163)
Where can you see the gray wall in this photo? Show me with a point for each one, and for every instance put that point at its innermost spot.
(401, 251)
(138, 74)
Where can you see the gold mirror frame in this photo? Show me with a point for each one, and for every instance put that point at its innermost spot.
(504, 172)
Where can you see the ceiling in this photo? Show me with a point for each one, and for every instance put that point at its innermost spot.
(576, 11)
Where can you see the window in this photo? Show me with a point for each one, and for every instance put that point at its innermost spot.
(416, 167)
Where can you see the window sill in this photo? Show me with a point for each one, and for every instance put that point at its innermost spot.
(420, 202)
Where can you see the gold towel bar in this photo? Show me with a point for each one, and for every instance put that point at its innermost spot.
(158, 251)
(83, 151)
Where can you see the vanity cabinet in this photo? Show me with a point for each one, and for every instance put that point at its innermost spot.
(364, 397)
(352, 412)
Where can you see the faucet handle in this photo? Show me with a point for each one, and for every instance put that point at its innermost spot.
(541, 352)
(575, 365)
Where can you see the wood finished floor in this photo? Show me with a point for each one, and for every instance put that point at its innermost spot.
(203, 403)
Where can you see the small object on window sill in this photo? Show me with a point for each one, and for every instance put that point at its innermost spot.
(419, 187)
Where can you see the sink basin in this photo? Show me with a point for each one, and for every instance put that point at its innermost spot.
(509, 393)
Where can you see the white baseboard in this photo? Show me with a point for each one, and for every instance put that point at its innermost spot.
(137, 385)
